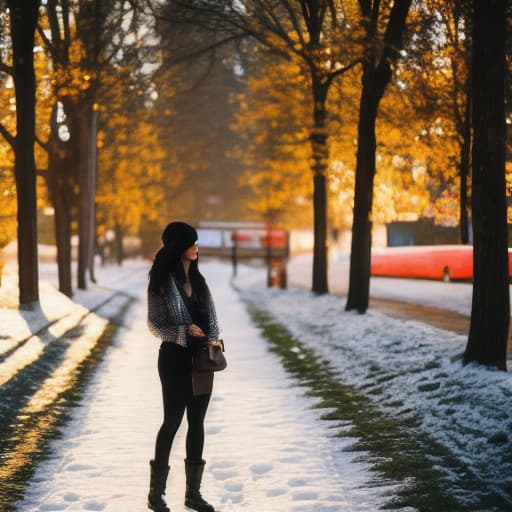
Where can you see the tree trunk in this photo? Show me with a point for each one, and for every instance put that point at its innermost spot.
(490, 313)
(92, 183)
(23, 20)
(320, 154)
(360, 253)
(465, 165)
(63, 240)
(376, 77)
(464, 174)
(118, 240)
(58, 170)
(87, 136)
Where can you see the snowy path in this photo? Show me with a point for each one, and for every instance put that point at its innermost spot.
(266, 449)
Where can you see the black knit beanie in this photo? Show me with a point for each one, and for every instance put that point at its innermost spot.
(179, 236)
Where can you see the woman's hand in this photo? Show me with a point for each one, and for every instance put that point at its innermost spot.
(195, 330)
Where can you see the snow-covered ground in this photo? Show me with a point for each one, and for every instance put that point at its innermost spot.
(266, 447)
(407, 368)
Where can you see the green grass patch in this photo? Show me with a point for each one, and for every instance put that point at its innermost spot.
(428, 478)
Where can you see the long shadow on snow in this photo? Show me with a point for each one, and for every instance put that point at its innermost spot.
(24, 440)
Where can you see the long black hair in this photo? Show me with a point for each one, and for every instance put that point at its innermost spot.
(177, 237)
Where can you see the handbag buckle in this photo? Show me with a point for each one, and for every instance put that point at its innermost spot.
(217, 343)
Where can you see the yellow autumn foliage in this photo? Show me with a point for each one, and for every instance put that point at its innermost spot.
(274, 119)
(418, 133)
(74, 79)
(7, 181)
(130, 160)
(7, 198)
(272, 122)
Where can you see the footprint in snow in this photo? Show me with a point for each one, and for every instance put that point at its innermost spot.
(51, 507)
(71, 496)
(260, 469)
(234, 486)
(272, 493)
(223, 475)
(94, 505)
(304, 496)
(79, 467)
(297, 482)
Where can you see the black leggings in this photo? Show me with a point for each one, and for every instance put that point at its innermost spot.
(175, 370)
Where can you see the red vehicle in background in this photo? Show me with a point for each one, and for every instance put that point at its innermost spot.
(446, 262)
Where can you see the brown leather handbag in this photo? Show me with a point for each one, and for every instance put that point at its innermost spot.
(208, 355)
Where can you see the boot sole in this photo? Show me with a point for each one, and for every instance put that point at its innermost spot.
(156, 508)
(194, 507)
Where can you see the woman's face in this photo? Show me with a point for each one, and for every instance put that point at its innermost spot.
(191, 253)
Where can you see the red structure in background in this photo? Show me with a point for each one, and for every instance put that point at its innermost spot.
(274, 238)
(446, 262)
(273, 244)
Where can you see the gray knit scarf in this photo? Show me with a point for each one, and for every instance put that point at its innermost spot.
(168, 316)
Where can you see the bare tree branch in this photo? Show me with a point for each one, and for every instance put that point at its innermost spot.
(48, 43)
(5, 68)
(43, 145)
(295, 21)
(11, 139)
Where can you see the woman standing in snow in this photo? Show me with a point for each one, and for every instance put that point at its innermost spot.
(180, 307)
